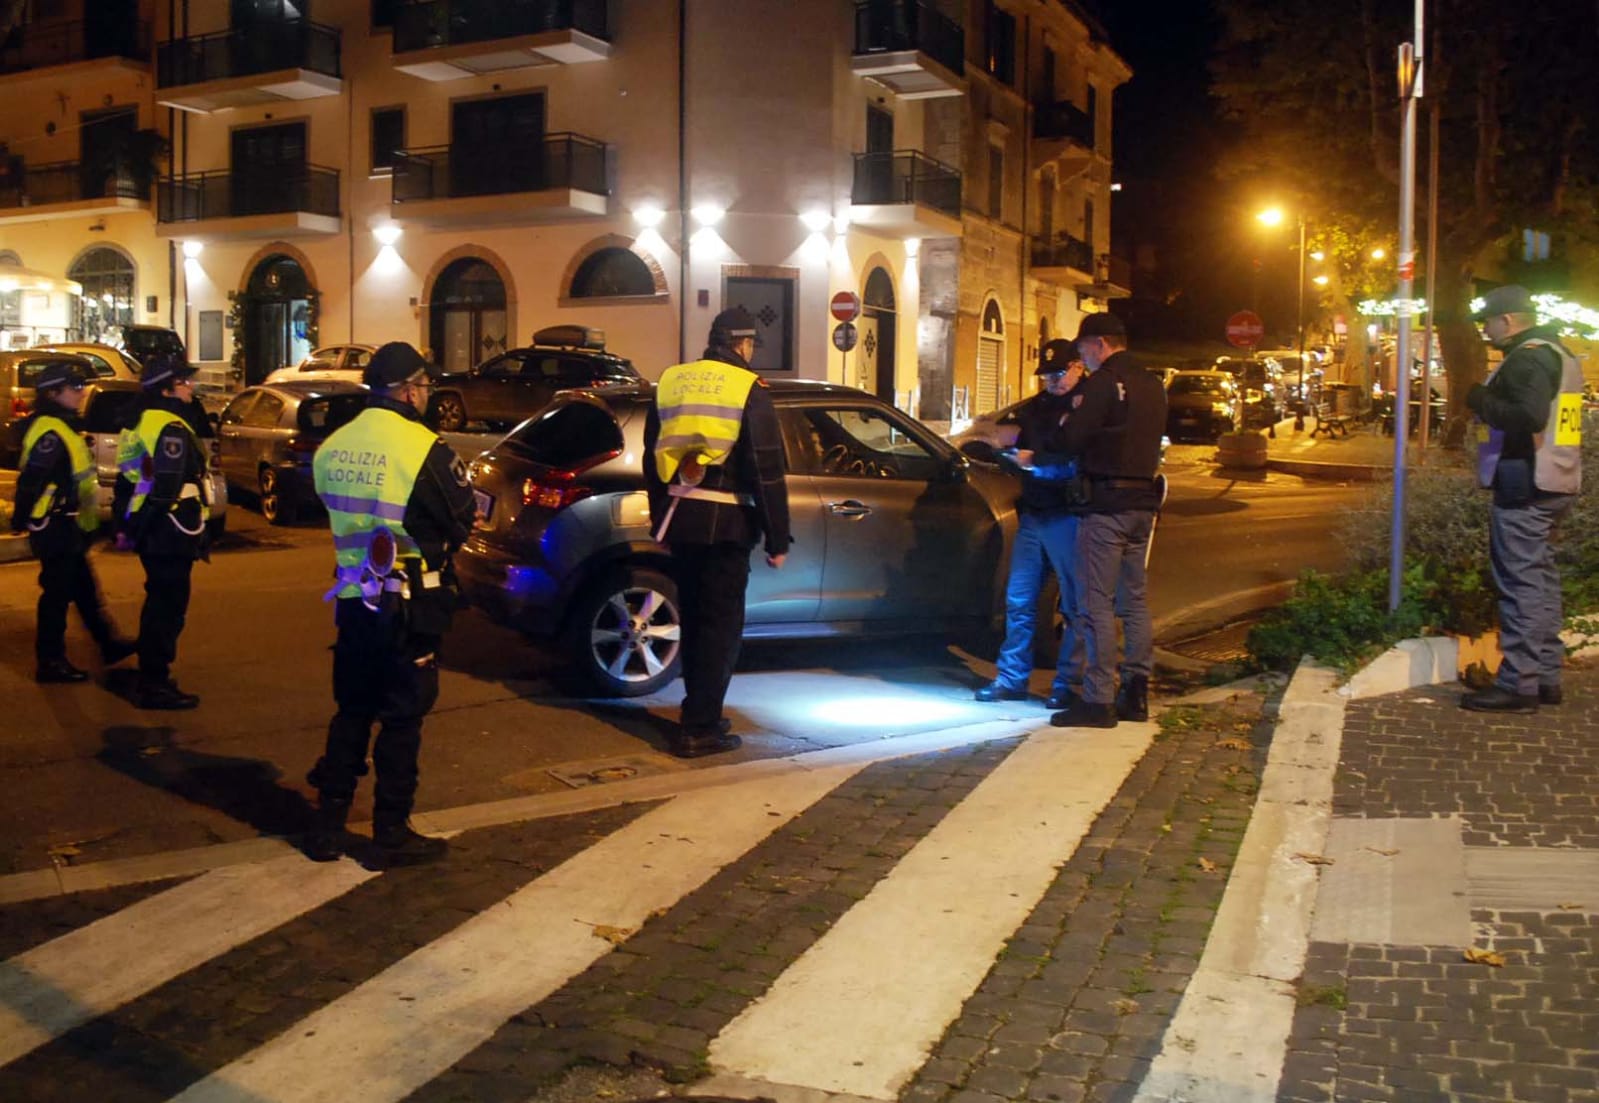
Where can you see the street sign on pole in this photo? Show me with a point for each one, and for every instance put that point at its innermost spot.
(845, 306)
(1245, 329)
(844, 336)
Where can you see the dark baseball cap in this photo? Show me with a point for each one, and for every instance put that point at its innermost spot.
(58, 373)
(1055, 356)
(394, 365)
(1103, 324)
(164, 368)
(1512, 298)
(735, 324)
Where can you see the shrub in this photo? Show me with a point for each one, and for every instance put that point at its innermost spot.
(1344, 621)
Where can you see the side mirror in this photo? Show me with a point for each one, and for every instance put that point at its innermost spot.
(955, 471)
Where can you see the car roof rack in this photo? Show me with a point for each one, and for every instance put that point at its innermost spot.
(570, 337)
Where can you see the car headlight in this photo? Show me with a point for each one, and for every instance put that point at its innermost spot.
(1223, 408)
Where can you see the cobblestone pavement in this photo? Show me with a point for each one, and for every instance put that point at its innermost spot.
(1379, 1021)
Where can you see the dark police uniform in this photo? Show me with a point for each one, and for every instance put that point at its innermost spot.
(1115, 433)
(399, 506)
(162, 499)
(714, 469)
(57, 505)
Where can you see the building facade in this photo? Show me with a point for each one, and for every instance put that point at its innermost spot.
(461, 175)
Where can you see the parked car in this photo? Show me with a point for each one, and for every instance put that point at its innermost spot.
(109, 362)
(343, 362)
(518, 383)
(1202, 405)
(18, 369)
(1260, 380)
(895, 531)
(989, 434)
(269, 433)
(140, 341)
(109, 406)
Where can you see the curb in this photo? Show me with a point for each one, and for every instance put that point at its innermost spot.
(1343, 472)
(14, 548)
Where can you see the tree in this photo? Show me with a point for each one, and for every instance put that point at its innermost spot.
(10, 16)
(1312, 87)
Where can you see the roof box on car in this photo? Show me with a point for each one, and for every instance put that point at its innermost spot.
(571, 337)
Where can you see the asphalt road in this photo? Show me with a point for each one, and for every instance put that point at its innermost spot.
(89, 777)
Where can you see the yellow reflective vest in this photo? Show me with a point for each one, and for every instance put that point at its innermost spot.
(364, 474)
(87, 506)
(135, 460)
(702, 409)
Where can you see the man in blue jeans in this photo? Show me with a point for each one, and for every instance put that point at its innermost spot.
(1046, 535)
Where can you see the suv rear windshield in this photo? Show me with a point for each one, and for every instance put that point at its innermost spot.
(616, 370)
(567, 435)
(142, 342)
(1198, 384)
(110, 411)
(324, 414)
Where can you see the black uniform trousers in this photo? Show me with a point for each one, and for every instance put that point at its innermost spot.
(166, 606)
(377, 679)
(711, 580)
(65, 578)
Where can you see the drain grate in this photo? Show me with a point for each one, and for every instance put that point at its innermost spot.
(600, 771)
(1221, 645)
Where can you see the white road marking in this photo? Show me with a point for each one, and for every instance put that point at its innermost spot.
(415, 1019)
(861, 1009)
(54, 987)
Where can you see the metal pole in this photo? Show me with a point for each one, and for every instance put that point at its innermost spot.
(1432, 266)
(1410, 86)
(1299, 323)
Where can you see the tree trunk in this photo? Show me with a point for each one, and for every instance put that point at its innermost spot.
(1465, 356)
(1357, 364)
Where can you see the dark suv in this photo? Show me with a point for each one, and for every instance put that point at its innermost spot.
(894, 532)
(518, 383)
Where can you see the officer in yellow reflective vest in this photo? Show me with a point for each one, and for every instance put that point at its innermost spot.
(162, 500)
(714, 467)
(57, 505)
(399, 506)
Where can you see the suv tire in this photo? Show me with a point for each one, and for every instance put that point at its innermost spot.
(624, 633)
(449, 412)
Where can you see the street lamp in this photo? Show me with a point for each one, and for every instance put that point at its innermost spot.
(1273, 216)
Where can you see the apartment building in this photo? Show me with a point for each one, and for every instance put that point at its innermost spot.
(461, 174)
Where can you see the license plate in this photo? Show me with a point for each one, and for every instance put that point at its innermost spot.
(485, 504)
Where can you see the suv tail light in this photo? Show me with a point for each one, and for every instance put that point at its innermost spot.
(19, 407)
(558, 488)
(301, 445)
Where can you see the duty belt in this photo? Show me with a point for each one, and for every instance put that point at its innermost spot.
(679, 491)
(1118, 482)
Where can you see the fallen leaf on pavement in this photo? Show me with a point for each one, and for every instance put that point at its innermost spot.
(1233, 744)
(614, 935)
(1125, 1007)
(1207, 865)
(1569, 907)
(1484, 957)
(1314, 859)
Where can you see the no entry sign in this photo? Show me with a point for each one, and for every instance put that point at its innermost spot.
(1245, 329)
(846, 306)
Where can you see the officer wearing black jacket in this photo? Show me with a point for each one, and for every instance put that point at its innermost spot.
(57, 506)
(1115, 434)
(714, 468)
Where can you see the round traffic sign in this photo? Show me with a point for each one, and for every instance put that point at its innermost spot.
(1245, 329)
(846, 306)
(844, 336)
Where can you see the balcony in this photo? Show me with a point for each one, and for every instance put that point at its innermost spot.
(1113, 278)
(910, 47)
(283, 201)
(452, 39)
(905, 194)
(1066, 261)
(562, 177)
(38, 193)
(294, 59)
(1063, 132)
(34, 48)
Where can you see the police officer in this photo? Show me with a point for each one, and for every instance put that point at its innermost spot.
(399, 506)
(1115, 433)
(1529, 454)
(715, 477)
(162, 499)
(1046, 537)
(57, 505)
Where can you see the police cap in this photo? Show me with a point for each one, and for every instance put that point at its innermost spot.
(1512, 298)
(161, 369)
(1055, 356)
(58, 373)
(732, 324)
(394, 365)
(1103, 324)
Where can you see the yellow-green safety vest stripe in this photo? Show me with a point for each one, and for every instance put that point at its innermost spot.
(83, 470)
(134, 445)
(702, 408)
(364, 473)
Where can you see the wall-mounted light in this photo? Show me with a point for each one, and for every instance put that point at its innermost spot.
(387, 234)
(707, 214)
(841, 224)
(913, 247)
(816, 221)
(648, 216)
(1116, 187)
(192, 249)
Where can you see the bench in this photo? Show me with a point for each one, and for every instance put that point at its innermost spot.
(1329, 421)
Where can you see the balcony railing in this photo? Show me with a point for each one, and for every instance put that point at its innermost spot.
(40, 45)
(456, 171)
(1063, 120)
(1116, 271)
(280, 190)
(1064, 252)
(245, 51)
(889, 26)
(62, 182)
(906, 177)
(419, 26)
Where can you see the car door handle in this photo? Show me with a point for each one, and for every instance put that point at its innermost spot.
(849, 507)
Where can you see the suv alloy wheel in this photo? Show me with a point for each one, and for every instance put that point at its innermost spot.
(624, 634)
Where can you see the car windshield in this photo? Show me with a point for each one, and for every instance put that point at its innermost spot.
(142, 342)
(1198, 384)
(565, 436)
(325, 413)
(111, 411)
(619, 370)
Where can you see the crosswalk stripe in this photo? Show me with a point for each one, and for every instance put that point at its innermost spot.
(859, 1011)
(413, 1020)
(54, 987)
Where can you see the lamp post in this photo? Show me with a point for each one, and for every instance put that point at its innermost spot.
(1273, 216)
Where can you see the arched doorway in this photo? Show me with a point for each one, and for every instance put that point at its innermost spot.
(466, 314)
(107, 300)
(990, 359)
(878, 335)
(277, 316)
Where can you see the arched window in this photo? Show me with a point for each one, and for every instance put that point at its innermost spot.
(107, 279)
(879, 290)
(612, 272)
(466, 318)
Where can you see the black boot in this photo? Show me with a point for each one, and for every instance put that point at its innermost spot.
(164, 694)
(325, 841)
(115, 649)
(59, 671)
(1132, 700)
(399, 845)
(1498, 699)
(1085, 714)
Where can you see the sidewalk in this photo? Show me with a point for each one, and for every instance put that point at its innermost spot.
(1364, 454)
